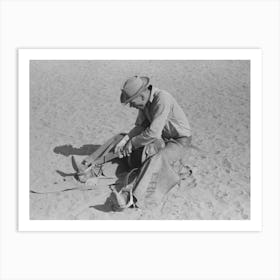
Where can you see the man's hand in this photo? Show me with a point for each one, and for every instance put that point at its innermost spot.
(127, 149)
(120, 146)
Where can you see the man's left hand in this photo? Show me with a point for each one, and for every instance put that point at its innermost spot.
(127, 149)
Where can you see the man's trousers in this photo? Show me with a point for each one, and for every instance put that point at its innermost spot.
(159, 171)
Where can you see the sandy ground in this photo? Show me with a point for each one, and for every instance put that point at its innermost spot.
(74, 106)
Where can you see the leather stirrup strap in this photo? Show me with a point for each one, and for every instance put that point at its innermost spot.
(105, 158)
(91, 159)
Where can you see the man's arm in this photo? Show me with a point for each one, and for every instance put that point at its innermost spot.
(140, 124)
(160, 112)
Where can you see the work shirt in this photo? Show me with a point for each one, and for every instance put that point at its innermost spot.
(162, 117)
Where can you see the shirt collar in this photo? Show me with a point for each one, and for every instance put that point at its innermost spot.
(153, 92)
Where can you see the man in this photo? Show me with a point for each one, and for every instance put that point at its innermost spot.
(158, 140)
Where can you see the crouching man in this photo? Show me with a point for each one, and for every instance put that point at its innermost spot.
(158, 140)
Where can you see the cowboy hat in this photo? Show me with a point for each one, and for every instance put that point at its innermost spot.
(132, 88)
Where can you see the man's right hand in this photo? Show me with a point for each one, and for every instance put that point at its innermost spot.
(120, 146)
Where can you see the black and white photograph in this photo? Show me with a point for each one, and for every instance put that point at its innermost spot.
(140, 140)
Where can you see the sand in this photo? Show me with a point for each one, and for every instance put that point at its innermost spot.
(74, 106)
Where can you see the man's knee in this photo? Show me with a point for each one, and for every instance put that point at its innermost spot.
(152, 149)
(174, 151)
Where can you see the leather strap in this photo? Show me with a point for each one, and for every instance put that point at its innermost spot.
(103, 159)
(100, 152)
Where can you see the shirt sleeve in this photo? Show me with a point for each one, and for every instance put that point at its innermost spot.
(140, 124)
(159, 111)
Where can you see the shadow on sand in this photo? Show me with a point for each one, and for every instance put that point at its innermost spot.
(67, 150)
(109, 205)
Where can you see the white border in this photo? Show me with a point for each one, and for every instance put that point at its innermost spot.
(254, 55)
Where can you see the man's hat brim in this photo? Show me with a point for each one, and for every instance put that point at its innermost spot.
(145, 84)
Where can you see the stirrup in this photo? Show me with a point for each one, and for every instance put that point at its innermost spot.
(123, 203)
(130, 179)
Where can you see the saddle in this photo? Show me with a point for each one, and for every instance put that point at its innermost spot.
(91, 166)
(94, 166)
